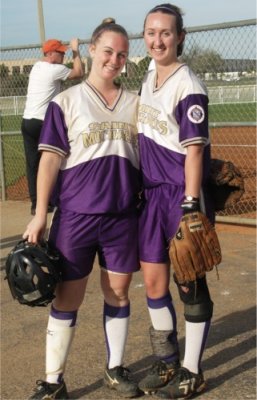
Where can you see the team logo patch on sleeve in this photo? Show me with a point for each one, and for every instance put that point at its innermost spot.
(196, 114)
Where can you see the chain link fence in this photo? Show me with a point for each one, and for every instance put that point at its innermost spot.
(222, 55)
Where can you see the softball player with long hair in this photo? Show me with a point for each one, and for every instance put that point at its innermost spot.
(90, 166)
(175, 160)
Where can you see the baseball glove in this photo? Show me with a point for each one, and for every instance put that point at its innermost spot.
(226, 184)
(195, 248)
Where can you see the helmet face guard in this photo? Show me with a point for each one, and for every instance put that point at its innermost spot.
(32, 272)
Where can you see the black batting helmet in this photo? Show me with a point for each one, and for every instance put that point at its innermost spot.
(32, 272)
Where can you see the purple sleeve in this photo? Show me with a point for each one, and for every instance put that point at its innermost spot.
(54, 133)
(192, 118)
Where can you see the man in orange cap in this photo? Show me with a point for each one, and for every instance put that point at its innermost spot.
(54, 45)
(45, 81)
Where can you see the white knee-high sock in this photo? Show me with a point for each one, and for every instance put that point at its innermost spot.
(60, 333)
(162, 313)
(116, 321)
(164, 321)
(196, 337)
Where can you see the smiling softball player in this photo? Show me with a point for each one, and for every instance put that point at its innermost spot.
(175, 158)
(90, 163)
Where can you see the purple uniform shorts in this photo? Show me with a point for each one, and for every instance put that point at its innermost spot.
(79, 237)
(159, 221)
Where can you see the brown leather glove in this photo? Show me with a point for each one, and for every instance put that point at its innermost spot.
(195, 248)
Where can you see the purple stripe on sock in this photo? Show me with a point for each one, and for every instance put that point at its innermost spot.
(116, 312)
(161, 302)
(165, 301)
(60, 378)
(170, 359)
(64, 315)
(205, 336)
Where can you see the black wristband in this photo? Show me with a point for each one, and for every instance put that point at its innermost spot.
(190, 206)
(191, 198)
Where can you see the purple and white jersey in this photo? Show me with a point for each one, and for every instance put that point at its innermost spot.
(99, 144)
(171, 118)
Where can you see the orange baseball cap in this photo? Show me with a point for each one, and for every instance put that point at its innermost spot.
(54, 45)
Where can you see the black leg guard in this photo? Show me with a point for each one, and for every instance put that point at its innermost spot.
(197, 301)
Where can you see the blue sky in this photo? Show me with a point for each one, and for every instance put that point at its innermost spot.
(64, 19)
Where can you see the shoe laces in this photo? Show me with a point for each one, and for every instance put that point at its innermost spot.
(160, 367)
(184, 374)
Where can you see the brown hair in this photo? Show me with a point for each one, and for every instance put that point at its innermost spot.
(108, 25)
(171, 9)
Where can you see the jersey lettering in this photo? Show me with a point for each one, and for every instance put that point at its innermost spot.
(150, 116)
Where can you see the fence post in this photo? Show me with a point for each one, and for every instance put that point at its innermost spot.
(2, 162)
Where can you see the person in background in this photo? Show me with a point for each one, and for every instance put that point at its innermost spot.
(175, 161)
(89, 145)
(45, 81)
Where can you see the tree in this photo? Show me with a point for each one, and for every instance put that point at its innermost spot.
(13, 85)
(143, 65)
(4, 71)
(203, 61)
(70, 82)
(19, 84)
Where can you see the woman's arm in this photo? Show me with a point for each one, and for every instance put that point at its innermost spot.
(47, 175)
(194, 170)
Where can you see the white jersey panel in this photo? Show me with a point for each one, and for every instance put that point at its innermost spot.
(99, 148)
(157, 112)
(171, 118)
(96, 131)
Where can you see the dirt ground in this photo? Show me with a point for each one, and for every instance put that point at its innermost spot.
(229, 362)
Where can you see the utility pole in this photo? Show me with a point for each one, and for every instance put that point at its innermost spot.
(41, 20)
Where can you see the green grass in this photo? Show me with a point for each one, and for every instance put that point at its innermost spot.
(232, 112)
(13, 158)
(13, 152)
(11, 123)
(12, 148)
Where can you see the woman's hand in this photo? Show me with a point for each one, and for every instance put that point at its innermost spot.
(36, 229)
